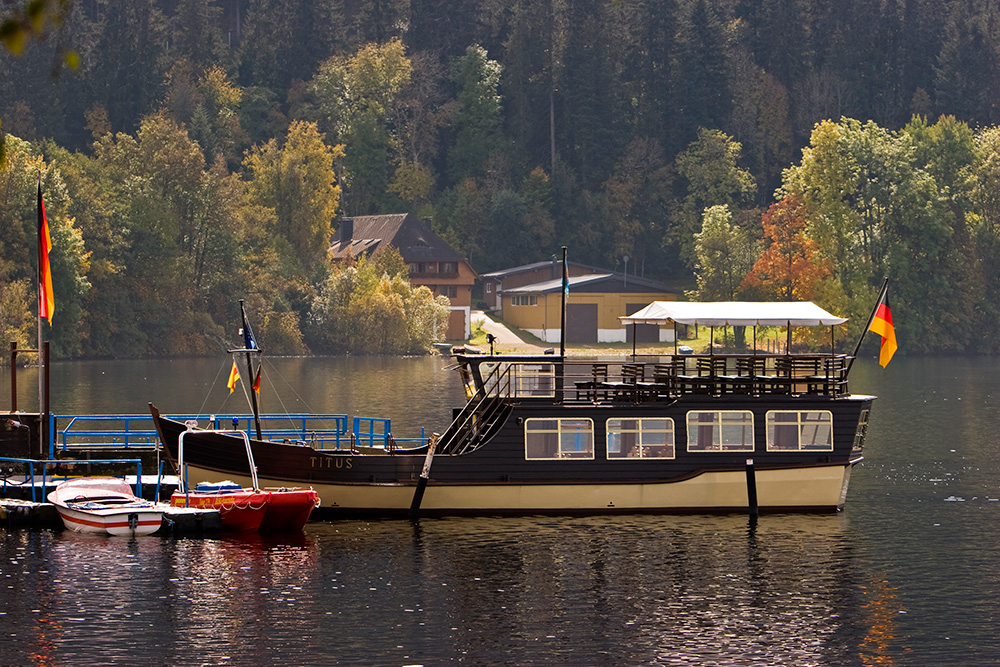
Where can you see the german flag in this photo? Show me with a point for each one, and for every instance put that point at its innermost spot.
(256, 382)
(882, 325)
(46, 300)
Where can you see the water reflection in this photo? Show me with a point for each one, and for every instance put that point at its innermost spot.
(415, 392)
(907, 575)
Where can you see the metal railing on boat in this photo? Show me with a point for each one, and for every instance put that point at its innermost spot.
(661, 377)
(136, 431)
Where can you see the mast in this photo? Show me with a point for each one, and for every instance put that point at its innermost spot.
(249, 346)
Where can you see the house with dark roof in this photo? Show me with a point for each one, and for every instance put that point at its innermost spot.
(593, 306)
(528, 274)
(433, 263)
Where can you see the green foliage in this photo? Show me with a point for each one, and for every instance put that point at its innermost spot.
(354, 99)
(712, 176)
(297, 182)
(370, 307)
(478, 120)
(201, 151)
(18, 249)
(725, 252)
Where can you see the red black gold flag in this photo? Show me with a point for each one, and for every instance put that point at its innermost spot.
(882, 325)
(46, 300)
(256, 382)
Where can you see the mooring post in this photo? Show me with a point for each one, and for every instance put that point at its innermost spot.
(13, 376)
(751, 489)
(418, 493)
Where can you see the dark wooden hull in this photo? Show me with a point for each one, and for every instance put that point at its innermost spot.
(496, 478)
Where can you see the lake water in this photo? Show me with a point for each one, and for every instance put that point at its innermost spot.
(907, 574)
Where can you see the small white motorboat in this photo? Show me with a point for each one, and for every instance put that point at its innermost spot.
(105, 505)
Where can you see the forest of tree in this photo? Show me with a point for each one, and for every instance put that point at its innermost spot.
(202, 151)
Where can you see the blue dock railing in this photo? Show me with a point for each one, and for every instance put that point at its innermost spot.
(30, 478)
(320, 431)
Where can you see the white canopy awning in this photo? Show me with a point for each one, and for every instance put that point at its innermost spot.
(734, 313)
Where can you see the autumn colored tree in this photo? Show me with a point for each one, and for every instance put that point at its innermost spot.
(790, 265)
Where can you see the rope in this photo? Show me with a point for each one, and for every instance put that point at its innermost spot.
(201, 410)
(290, 387)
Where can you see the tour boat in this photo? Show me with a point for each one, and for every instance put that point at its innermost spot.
(560, 435)
(245, 509)
(105, 505)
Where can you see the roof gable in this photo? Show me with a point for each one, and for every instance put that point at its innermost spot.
(413, 237)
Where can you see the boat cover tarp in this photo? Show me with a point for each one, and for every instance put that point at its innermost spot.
(734, 313)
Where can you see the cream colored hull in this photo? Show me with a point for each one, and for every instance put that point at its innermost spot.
(809, 488)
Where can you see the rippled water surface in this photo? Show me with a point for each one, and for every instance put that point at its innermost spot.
(908, 574)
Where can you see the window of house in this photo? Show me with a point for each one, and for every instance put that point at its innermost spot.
(800, 430)
(432, 267)
(489, 288)
(449, 267)
(558, 439)
(640, 438)
(414, 267)
(720, 431)
(524, 300)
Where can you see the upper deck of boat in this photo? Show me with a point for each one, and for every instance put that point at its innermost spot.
(642, 378)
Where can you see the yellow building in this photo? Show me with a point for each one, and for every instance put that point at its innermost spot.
(593, 306)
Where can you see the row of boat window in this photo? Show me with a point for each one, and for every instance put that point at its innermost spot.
(707, 431)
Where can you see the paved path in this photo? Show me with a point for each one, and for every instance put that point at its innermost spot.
(504, 336)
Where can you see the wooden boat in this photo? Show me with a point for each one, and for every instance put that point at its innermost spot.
(550, 434)
(105, 505)
(245, 509)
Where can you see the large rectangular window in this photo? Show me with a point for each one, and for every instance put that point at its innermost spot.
(558, 438)
(800, 430)
(640, 438)
(524, 300)
(720, 431)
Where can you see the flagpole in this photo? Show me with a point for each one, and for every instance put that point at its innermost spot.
(42, 362)
(878, 301)
(247, 336)
(561, 368)
(565, 289)
(250, 375)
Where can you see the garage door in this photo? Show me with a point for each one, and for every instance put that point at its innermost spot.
(581, 323)
(644, 333)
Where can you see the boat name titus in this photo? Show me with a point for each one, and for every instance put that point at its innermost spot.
(331, 462)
